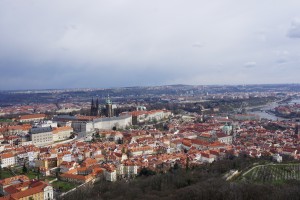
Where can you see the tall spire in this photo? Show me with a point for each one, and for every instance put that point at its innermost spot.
(97, 107)
(92, 107)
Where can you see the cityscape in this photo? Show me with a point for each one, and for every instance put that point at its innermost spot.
(79, 141)
(127, 99)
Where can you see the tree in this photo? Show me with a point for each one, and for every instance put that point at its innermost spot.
(187, 163)
(0, 169)
(57, 172)
(146, 172)
(38, 173)
(24, 169)
(120, 141)
(176, 166)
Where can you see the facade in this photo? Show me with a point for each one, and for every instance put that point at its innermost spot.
(207, 158)
(82, 126)
(130, 170)
(62, 133)
(47, 123)
(112, 135)
(224, 138)
(7, 160)
(142, 116)
(74, 178)
(102, 124)
(89, 123)
(277, 158)
(144, 150)
(48, 193)
(111, 175)
(41, 136)
(112, 122)
(46, 163)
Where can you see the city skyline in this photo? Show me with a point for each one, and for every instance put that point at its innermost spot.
(104, 44)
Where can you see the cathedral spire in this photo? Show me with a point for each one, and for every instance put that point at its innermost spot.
(97, 106)
(92, 107)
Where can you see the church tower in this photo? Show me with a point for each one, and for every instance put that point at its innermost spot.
(108, 106)
(94, 108)
(97, 107)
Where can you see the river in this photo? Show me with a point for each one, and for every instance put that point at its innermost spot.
(267, 115)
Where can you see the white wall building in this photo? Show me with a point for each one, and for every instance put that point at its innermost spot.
(48, 193)
(110, 175)
(62, 133)
(7, 160)
(41, 136)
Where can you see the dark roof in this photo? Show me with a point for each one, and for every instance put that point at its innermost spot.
(40, 130)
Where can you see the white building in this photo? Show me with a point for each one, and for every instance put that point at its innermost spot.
(48, 192)
(207, 158)
(62, 133)
(222, 137)
(41, 136)
(82, 126)
(110, 174)
(277, 158)
(47, 123)
(7, 160)
(113, 122)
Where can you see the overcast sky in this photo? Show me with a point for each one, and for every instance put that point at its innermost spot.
(96, 43)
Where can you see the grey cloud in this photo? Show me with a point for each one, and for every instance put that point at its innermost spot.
(282, 61)
(103, 43)
(294, 30)
(250, 64)
(198, 45)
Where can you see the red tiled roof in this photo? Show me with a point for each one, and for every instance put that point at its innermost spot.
(33, 116)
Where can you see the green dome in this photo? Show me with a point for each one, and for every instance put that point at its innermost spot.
(227, 128)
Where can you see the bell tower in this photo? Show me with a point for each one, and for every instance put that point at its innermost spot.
(108, 106)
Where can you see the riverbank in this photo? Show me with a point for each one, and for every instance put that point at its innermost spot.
(268, 111)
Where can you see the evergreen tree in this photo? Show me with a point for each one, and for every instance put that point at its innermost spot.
(187, 163)
(120, 141)
(0, 169)
(38, 173)
(24, 169)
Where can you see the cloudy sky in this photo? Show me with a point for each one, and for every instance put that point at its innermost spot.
(97, 43)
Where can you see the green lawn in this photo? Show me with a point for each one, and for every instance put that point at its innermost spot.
(5, 120)
(6, 174)
(49, 178)
(64, 186)
(32, 175)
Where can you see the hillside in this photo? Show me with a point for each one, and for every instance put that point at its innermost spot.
(272, 173)
(203, 182)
